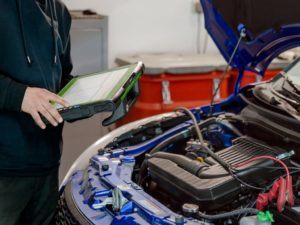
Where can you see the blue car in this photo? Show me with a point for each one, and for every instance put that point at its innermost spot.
(232, 162)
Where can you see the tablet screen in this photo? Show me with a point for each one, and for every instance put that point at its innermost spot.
(95, 87)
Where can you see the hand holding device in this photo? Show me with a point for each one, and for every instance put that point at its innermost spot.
(37, 102)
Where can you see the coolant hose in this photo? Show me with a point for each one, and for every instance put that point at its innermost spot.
(229, 214)
(181, 136)
(173, 139)
(189, 165)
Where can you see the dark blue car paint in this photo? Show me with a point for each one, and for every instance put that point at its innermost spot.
(140, 209)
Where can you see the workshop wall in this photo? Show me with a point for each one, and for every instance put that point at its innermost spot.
(137, 26)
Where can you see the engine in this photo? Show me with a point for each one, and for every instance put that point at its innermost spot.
(205, 182)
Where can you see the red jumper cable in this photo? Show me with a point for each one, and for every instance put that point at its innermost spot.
(282, 189)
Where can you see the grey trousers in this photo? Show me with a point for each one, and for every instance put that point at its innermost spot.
(28, 200)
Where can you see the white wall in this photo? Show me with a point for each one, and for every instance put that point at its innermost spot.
(137, 26)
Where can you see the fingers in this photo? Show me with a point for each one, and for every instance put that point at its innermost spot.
(59, 100)
(48, 116)
(36, 117)
(53, 113)
(49, 112)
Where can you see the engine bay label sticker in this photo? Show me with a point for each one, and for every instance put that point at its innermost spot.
(150, 206)
(102, 159)
(124, 187)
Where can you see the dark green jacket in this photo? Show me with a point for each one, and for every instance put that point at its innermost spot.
(34, 52)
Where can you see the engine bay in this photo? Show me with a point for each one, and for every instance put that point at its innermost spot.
(218, 168)
(180, 171)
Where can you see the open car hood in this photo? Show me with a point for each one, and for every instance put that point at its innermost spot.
(271, 26)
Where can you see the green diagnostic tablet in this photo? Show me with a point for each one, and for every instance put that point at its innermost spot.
(113, 91)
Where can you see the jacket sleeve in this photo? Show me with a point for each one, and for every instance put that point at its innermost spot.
(11, 94)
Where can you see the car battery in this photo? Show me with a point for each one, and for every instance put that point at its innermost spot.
(173, 80)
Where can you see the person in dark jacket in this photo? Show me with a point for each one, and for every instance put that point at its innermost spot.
(34, 64)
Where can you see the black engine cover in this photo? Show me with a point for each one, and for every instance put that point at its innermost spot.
(212, 189)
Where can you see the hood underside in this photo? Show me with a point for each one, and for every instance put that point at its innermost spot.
(272, 27)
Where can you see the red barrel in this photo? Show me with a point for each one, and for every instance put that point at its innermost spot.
(173, 80)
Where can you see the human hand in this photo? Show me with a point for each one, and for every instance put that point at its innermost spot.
(36, 101)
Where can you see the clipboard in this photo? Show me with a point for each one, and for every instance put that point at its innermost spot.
(114, 90)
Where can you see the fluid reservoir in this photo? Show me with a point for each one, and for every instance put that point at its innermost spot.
(262, 218)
